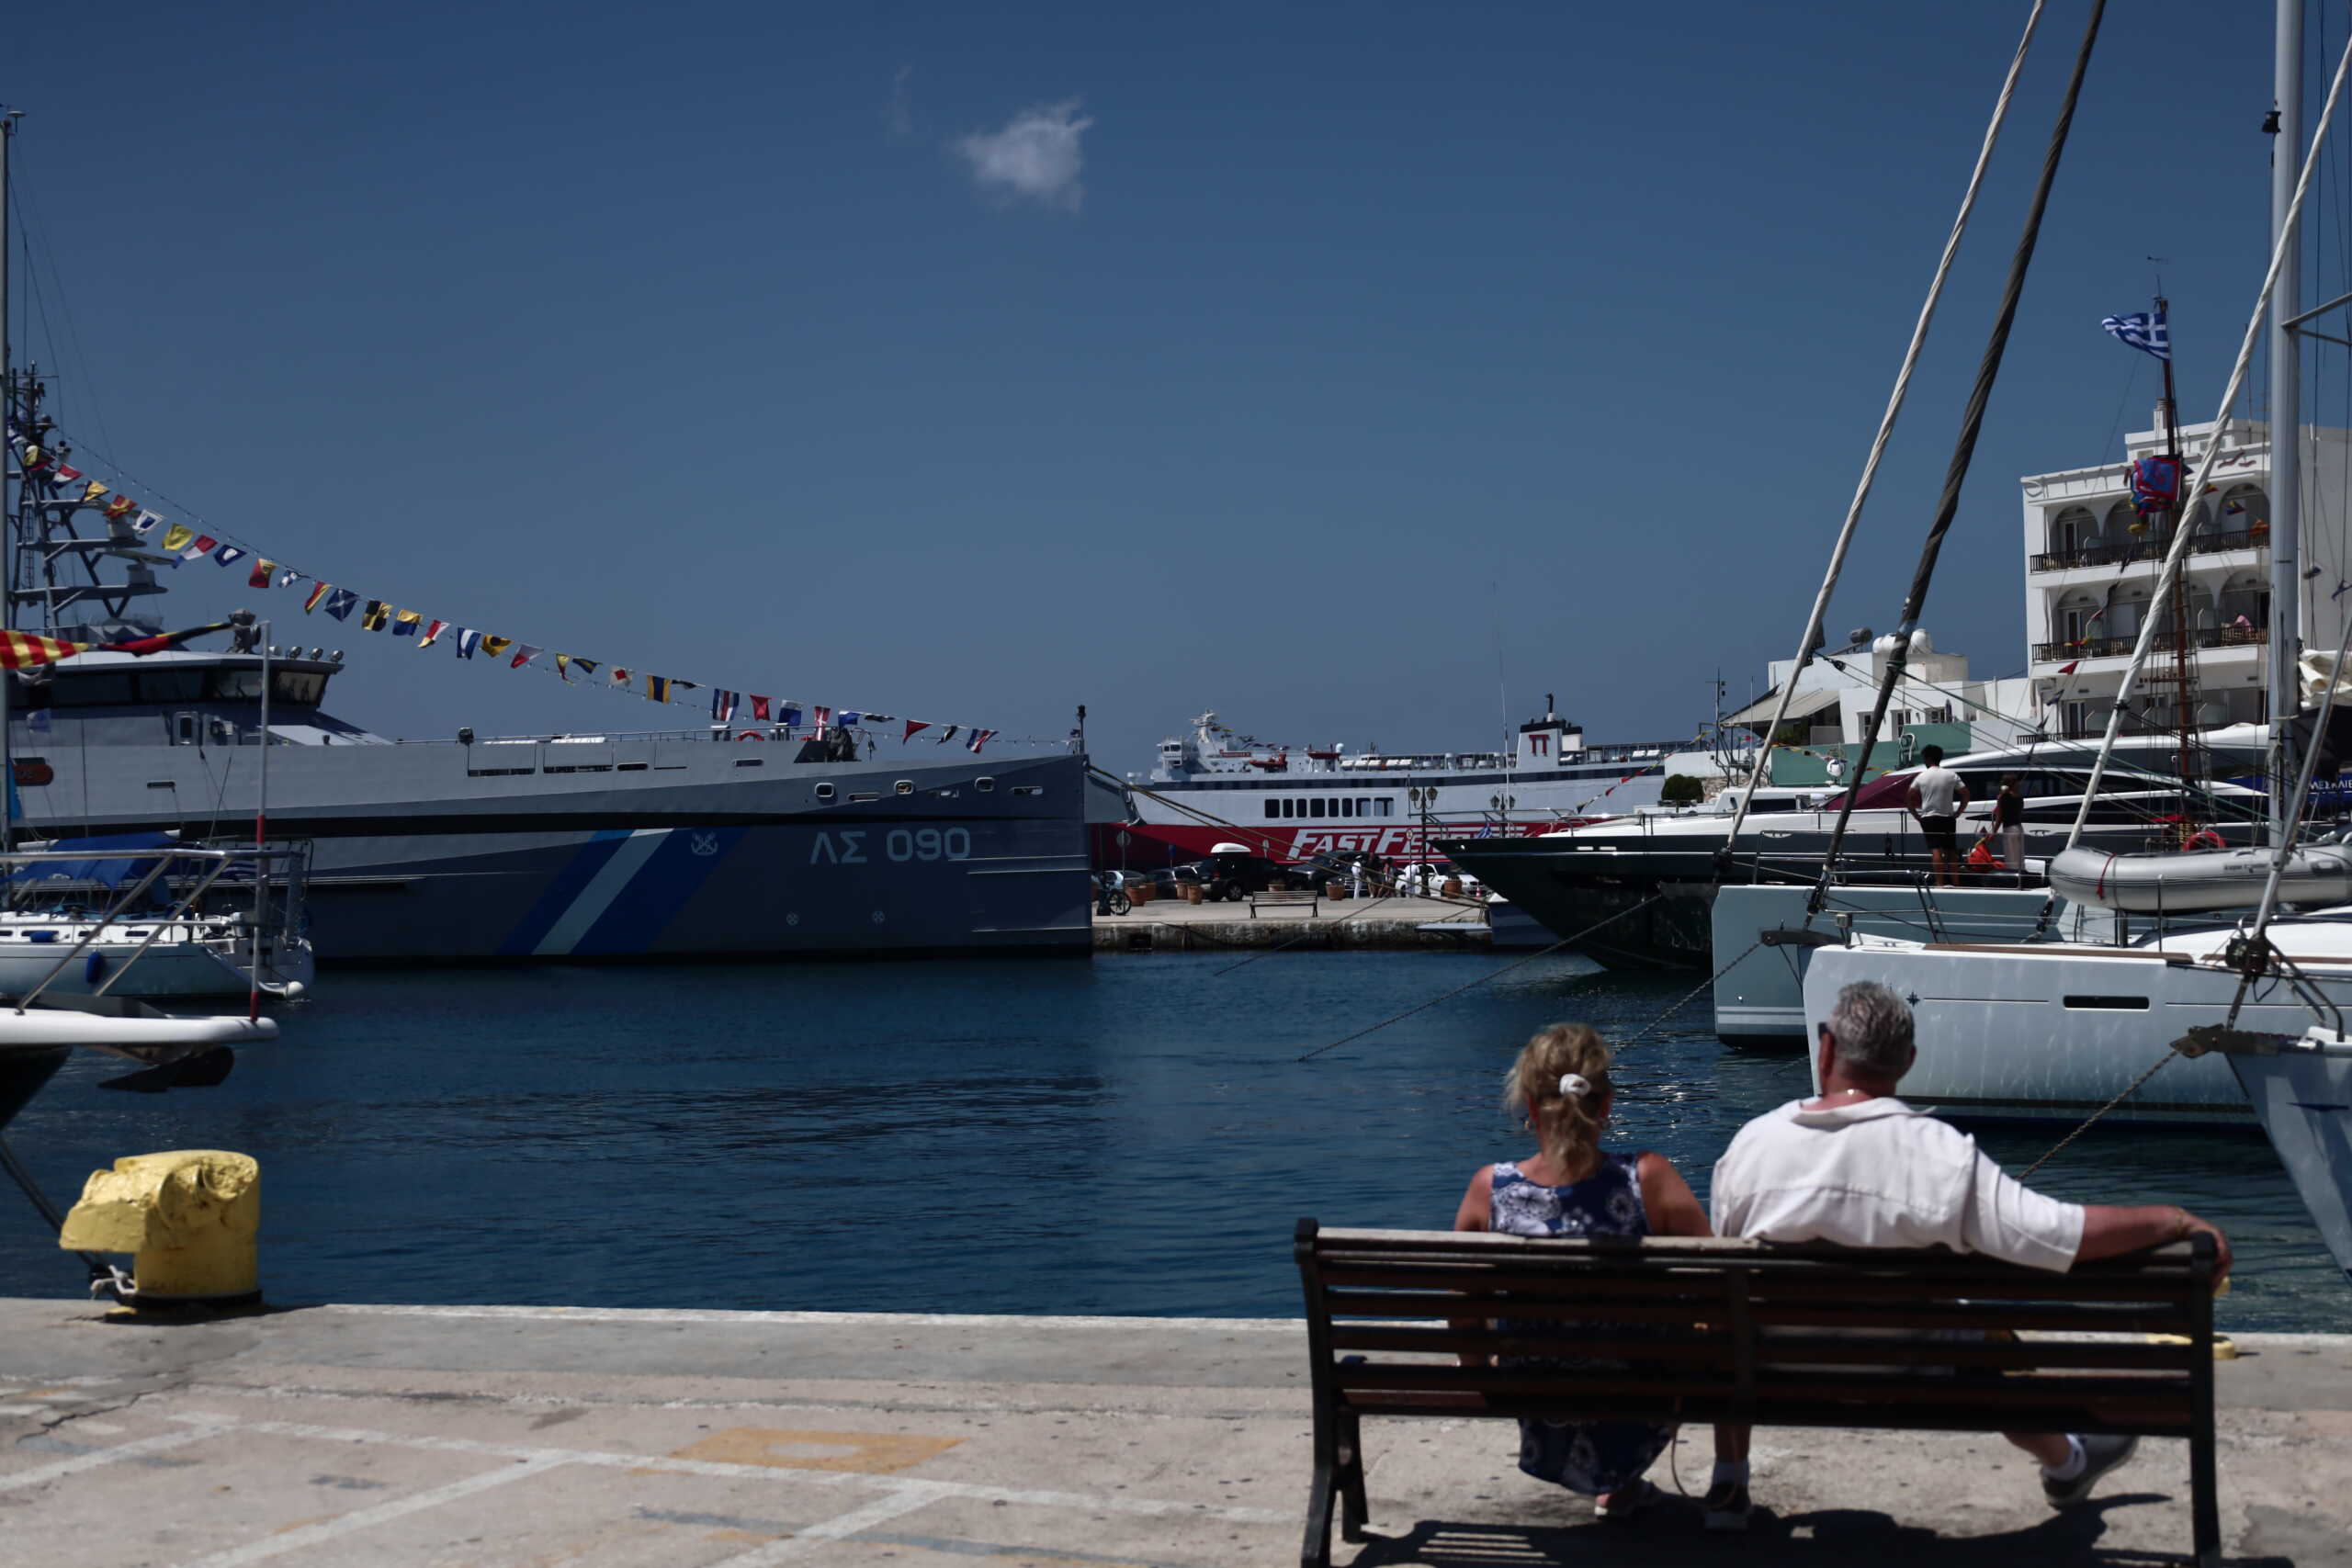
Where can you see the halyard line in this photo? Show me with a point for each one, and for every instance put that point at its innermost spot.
(329, 1529)
(1146, 1507)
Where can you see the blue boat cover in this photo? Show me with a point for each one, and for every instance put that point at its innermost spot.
(105, 873)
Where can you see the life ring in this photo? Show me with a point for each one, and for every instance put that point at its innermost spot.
(751, 734)
(2206, 839)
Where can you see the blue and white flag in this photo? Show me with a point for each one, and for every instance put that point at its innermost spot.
(722, 705)
(465, 641)
(2145, 332)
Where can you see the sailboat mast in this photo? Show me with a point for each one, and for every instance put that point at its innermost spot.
(8, 502)
(2286, 407)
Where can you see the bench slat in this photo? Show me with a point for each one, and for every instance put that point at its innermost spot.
(1719, 1406)
(1547, 1284)
(2052, 1317)
(1720, 1351)
(1862, 1393)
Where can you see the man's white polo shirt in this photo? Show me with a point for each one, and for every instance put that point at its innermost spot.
(1878, 1173)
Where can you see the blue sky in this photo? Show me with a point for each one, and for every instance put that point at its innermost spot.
(1331, 365)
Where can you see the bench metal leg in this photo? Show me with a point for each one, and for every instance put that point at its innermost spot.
(1317, 1552)
(2205, 1506)
(1353, 1513)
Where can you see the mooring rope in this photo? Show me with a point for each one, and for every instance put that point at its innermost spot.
(2130, 1089)
(1637, 1037)
(1491, 975)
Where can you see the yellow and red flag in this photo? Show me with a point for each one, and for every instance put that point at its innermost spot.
(21, 651)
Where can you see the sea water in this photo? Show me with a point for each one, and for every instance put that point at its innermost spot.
(1135, 1134)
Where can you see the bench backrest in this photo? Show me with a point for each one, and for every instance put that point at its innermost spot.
(1675, 1327)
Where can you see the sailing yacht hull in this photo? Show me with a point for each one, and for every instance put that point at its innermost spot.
(2055, 1033)
(1772, 935)
(2304, 1097)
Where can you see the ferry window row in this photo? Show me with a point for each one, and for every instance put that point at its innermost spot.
(1289, 806)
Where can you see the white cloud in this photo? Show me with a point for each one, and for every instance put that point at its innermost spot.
(1034, 158)
(898, 111)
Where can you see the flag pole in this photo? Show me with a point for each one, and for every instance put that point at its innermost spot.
(2183, 515)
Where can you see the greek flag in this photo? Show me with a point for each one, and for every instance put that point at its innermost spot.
(2145, 332)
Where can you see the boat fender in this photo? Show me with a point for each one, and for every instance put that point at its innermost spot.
(92, 967)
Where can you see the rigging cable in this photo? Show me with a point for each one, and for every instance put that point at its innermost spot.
(2289, 229)
(1893, 410)
(1491, 975)
(1972, 424)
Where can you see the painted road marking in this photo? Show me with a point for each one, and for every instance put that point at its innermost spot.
(867, 1453)
(841, 1527)
(204, 1426)
(344, 1524)
(1149, 1507)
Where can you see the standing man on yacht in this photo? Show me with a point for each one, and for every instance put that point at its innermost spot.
(1935, 801)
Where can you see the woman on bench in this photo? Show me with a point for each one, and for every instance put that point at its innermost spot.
(1572, 1186)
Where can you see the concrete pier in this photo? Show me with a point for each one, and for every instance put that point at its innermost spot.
(1167, 925)
(499, 1438)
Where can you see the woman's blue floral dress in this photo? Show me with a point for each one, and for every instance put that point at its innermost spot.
(1584, 1456)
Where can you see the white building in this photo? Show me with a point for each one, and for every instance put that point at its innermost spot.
(1936, 703)
(2091, 569)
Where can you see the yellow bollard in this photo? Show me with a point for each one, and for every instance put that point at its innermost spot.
(190, 1217)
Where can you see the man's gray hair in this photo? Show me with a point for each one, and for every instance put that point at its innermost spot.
(1871, 1027)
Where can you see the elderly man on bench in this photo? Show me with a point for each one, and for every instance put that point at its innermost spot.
(1858, 1167)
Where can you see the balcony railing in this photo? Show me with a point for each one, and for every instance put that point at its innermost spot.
(2165, 642)
(2152, 547)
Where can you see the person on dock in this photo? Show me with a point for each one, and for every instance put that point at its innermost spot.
(1935, 801)
(1571, 1186)
(1857, 1166)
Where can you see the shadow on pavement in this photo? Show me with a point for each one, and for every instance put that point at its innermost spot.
(1670, 1536)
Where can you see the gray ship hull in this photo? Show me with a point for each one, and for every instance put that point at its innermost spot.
(626, 848)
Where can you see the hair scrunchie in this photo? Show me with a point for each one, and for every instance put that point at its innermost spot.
(1576, 1086)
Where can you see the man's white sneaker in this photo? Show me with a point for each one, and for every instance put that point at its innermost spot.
(2101, 1454)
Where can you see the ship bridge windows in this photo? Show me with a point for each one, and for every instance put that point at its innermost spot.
(124, 688)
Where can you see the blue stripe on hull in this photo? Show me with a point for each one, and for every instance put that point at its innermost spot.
(561, 891)
(674, 874)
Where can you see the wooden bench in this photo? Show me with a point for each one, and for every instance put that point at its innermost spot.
(1708, 1330)
(1287, 898)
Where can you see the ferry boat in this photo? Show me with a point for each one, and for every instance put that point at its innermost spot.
(1213, 785)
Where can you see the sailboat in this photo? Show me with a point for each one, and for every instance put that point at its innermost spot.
(2064, 1030)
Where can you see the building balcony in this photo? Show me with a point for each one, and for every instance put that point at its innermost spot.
(2152, 548)
(2165, 642)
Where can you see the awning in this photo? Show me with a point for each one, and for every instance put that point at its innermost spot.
(1805, 706)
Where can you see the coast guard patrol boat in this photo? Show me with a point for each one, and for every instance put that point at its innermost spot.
(725, 839)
